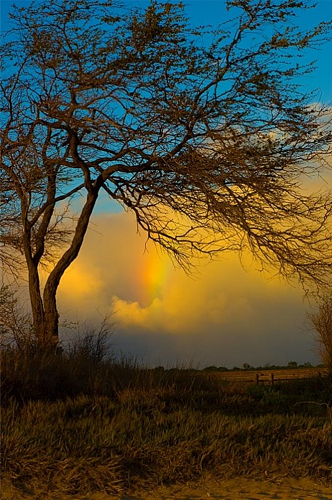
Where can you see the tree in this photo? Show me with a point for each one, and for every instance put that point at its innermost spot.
(321, 321)
(292, 364)
(206, 144)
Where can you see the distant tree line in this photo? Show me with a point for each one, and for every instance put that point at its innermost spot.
(245, 367)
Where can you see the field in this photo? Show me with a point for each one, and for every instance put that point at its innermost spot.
(79, 426)
(264, 376)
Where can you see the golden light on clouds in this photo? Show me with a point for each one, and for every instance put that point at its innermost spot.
(222, 315)
(81, 281)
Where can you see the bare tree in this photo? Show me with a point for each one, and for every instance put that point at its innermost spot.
(207, 145)
(321, 321)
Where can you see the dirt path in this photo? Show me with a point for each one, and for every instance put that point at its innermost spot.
(209, 489)
(241, 489)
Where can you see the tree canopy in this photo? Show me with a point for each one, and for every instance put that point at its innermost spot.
(208, 144)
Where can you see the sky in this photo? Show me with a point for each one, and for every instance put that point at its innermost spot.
(226, 314)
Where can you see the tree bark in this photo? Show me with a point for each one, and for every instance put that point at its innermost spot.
(37, 307)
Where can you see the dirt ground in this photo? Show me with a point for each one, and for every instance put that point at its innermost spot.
(240, 489)
(208, 489)
(245, 489)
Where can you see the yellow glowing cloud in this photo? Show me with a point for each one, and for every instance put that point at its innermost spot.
(222, 295)
(224, 308)
(132, 313)
(81, 283)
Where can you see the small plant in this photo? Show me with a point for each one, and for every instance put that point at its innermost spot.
(90, 341)
(321, 320)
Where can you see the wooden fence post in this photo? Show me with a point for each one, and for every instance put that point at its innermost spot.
(272, 379)
(257, 378)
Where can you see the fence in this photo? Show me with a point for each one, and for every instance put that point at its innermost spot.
(272, 378)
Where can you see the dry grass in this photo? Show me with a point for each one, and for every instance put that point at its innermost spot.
(73, 424)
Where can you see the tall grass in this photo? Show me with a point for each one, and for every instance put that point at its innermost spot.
(76, 424)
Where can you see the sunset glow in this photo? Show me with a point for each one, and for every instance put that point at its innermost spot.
(223, 314)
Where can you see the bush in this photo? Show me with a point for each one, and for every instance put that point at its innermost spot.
(81, 368)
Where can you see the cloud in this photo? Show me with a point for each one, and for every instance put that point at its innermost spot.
(222, 315)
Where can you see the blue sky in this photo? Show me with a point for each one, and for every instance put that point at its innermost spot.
(202, 12)
(213, 12)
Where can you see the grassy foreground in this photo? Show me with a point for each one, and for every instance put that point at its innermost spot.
(74, 424)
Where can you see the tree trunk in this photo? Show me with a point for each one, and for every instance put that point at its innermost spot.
(51, 316)
(45, 317)
(37, 307)
(49, 298)
(36, 301)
